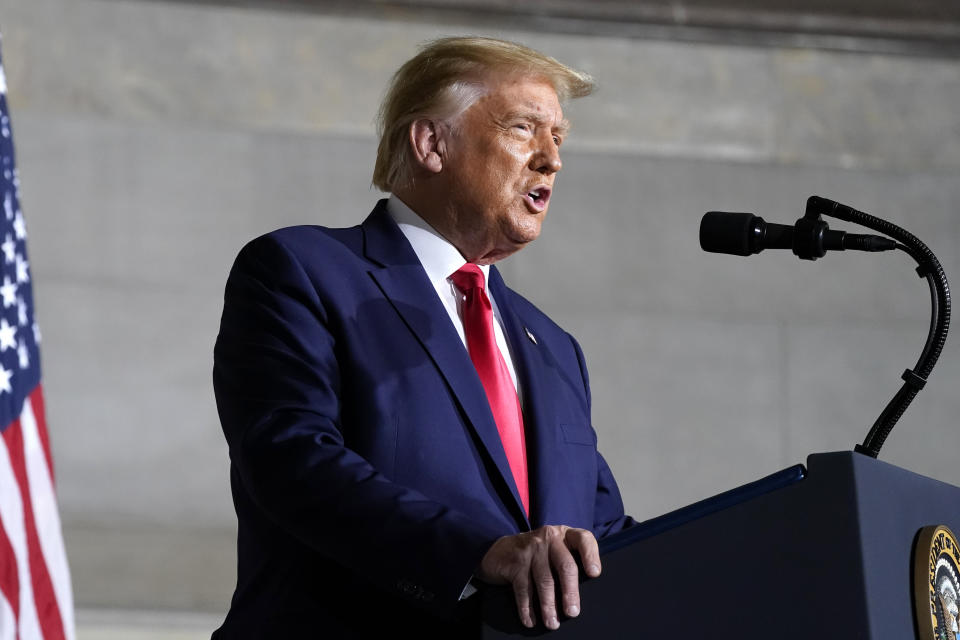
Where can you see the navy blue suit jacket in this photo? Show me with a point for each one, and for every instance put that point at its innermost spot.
(367, 472)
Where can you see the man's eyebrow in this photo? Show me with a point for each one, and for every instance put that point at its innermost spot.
(562, 128)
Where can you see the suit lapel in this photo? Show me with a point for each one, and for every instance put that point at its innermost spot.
(403, 281)
(536, 377)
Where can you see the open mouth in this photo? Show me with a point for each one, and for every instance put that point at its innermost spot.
(538, 198)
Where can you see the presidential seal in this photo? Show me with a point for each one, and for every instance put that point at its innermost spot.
(936, 590)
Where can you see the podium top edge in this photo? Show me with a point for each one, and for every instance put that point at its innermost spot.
(649, 528)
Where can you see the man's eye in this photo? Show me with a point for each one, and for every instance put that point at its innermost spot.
(522, 127)
(557, 140)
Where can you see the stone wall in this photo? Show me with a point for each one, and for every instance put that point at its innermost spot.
(155, 139)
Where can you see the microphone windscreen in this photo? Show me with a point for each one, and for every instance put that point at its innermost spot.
(722, 232)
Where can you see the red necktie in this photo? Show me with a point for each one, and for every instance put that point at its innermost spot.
(486, 356)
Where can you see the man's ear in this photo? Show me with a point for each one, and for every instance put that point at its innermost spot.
(428, 144)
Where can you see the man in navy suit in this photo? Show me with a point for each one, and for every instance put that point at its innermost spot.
(398, 435)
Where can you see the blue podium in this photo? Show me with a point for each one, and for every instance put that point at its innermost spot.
(818, 553)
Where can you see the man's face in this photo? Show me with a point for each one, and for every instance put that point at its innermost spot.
(502, 159)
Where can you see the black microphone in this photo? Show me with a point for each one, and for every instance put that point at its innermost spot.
(743, 234)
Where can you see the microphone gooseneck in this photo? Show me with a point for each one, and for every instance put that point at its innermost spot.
(928, 267)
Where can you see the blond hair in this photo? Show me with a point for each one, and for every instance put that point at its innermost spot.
(443, 80)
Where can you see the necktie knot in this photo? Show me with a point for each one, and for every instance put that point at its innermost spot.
(467, 278)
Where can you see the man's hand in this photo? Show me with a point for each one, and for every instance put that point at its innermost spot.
(530, 561)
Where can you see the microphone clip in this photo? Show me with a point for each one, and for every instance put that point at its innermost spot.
(812, 237)
(808, 236)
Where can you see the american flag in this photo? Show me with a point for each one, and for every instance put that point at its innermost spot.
(36, 601)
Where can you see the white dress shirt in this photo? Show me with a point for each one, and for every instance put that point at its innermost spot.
(440, 260)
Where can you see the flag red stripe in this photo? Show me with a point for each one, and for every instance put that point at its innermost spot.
(48, 612)
(9, 581)
(40, 413)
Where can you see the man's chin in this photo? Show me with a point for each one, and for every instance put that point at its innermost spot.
(519, 241)
(523, 234)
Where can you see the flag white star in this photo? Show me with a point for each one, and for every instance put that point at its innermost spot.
(9, 248)
(23, 353)
(9, 292)
(19, 228)
(22, 317)
(5, 380)
(8, 336)
(3, 81)
(8, 205)
(36, 333)
(23, 275)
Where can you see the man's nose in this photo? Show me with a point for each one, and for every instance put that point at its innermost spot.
(547, 158)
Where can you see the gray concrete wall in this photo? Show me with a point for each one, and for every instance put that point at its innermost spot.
(155, 139)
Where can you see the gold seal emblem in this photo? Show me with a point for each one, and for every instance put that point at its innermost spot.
(936, 589)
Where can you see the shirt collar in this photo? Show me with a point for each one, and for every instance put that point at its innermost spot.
(439, 258)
